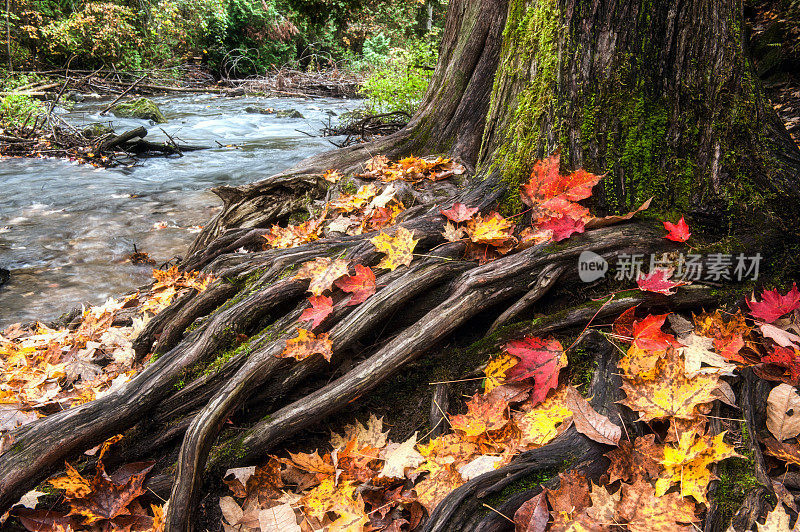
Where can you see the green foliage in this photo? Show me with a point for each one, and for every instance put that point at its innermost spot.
(401, 84)
(376, 49)
(100, 33)
(16, 109)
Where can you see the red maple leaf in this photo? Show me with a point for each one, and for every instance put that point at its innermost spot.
(563, 227)
(321, 306)
(546, 182)
(623, 325)
(678, 232)
(786, 357)
(658, 281)
(361, 285)
(538, 358)
(647, 334)
(459, 212)
(773, 305)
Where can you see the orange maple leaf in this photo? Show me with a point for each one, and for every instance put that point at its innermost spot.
(322, 272)
(306, 344)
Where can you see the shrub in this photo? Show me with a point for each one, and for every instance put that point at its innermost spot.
(101, 33)
(16, 109)
(401, 83)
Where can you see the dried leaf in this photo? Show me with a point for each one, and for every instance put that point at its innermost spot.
(306, 344)
(400, 457)
(532, 516)
(322, 272)
(589, 422)
(671, 394)
(783, 412)
(278, 519)
(641, 511)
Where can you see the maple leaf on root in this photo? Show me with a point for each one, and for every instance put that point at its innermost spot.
(688, 463)
(306, 344)
(459, 212)
(561, 227)
(670, 394)
(321, 307)
(773, 305)
(482, 416)
(399, 249)
(361, 285)
(677, 232)
(786, 357)
(546, 183)
(492, 229)
(540, 359)
(647, 334)
(322, 273)
(658, 281)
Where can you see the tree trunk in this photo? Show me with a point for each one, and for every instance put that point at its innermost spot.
(661, 96)
(658, 96)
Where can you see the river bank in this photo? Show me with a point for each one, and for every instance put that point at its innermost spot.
(67, 229)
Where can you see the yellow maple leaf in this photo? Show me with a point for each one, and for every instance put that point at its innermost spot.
(332, 176)
(671, 394)
(640, 363)
(322, 272)
(399, 249)
(354, 202)
(482, 416)
(545, 421)
(688, 464)
(306, 344)
(73, 484)
(491, 229)
(496, 371)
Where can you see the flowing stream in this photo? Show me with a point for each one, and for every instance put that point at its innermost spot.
(66, 229)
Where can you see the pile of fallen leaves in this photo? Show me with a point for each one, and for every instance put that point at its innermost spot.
(364, 481)
(45, 370)
(369, 208)
(100, 503)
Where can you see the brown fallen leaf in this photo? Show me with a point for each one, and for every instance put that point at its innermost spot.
(783, 412)
(278, 519)
(532, 516)
(589, 422)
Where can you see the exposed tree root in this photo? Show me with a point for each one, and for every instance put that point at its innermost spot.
(260, 297)
(463, 510)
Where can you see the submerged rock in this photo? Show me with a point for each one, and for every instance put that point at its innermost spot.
(142, 108)
(5, 275)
